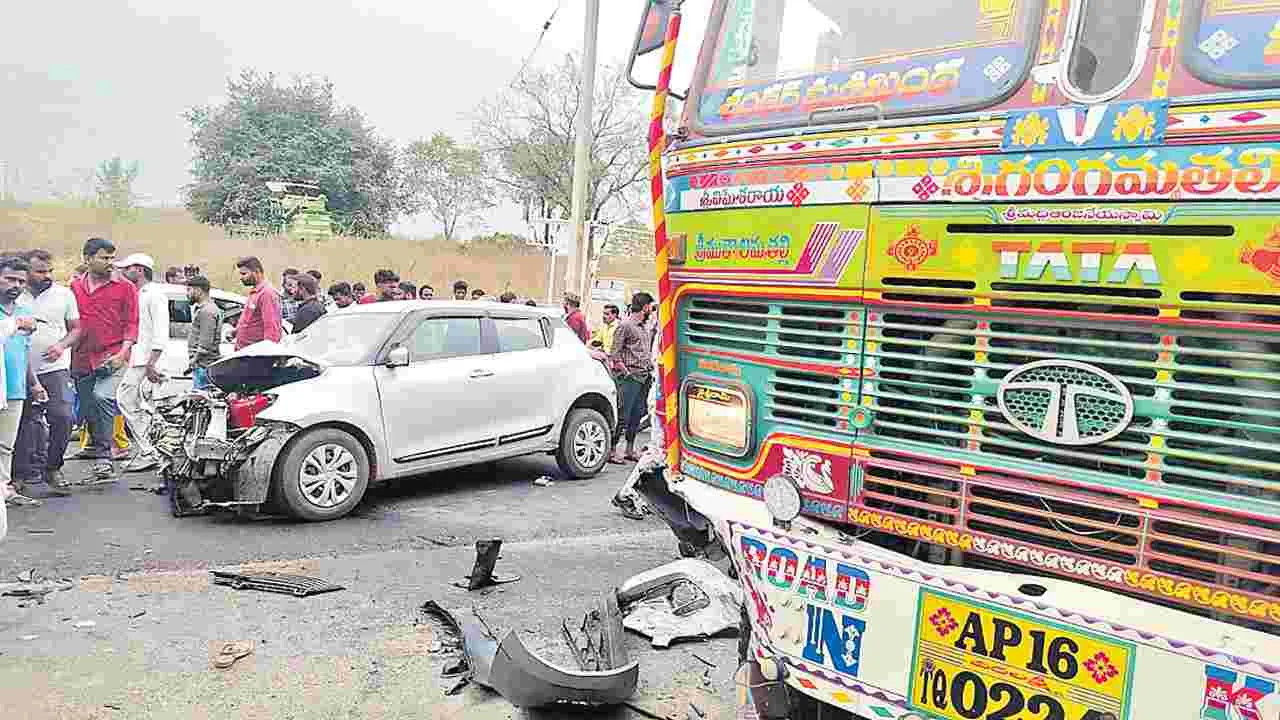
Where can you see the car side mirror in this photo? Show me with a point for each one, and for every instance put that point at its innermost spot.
(398, 357)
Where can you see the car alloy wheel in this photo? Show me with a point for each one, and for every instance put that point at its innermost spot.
(589, 443)
(328, 475)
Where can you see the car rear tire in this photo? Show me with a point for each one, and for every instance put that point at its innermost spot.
(323, 475)
(585, 444)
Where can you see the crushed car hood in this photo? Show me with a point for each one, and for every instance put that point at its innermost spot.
(263, 366)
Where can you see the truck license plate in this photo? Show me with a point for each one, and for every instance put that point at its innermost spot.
(974, 661)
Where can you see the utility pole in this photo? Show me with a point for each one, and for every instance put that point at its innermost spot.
(582, 147)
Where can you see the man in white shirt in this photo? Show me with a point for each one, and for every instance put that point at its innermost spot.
(139, 381)
(38, 457)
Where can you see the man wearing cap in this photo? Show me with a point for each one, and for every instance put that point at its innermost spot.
(109, 327)
(140, 379)
(203, 342)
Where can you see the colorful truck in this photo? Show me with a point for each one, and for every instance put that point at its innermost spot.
(971, 342)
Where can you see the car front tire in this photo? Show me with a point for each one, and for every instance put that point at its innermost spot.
(323, 475)
(585, 444)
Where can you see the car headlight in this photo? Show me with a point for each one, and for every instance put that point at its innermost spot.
(717, 416)
(782, 497)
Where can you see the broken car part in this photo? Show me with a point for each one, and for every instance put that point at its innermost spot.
(506, 666)
(295, 585)
(482, 574)
(691, 528)
(688, 598)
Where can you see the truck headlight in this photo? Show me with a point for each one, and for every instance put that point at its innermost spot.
(782, 497)
(717, 416)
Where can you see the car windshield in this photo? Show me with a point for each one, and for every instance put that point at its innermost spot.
(343, 338)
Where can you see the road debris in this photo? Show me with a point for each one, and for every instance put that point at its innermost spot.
(544, 481)
(695, 712)
(231, 652)
(703, 660)
(84, 625)
(505, 665)
(440, 541)
(28, 638)
(295, 585)
(482, 574)
(687, 598)
(39, 531)
(137, 615)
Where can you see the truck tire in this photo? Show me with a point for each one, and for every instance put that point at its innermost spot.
(322, 475)
(585, 444)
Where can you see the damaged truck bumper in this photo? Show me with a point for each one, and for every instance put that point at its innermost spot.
(506, 666)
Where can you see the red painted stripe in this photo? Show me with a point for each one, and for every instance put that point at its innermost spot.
(743, 163)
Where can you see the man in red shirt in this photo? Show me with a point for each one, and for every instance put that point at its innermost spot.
(260, 320)
(575, 318)
(108, 306)
(388, 284)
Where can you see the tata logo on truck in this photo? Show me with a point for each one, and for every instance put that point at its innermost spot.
(1090, 262)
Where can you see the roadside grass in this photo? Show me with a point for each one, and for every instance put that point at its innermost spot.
(173, 237)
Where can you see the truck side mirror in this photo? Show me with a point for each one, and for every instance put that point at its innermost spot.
(650, 36)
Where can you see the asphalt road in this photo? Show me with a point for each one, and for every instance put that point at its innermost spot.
(132, 638)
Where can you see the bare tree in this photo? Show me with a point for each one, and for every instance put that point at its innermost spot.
(447, 181)
(528, 132)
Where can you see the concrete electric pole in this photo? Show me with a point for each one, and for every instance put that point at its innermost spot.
(582, 148)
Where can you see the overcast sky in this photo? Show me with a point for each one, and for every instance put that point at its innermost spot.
(84, 81)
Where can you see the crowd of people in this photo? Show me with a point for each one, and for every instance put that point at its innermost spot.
(85, 355)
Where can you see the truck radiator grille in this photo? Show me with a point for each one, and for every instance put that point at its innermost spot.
(1196, 560)
(1207, 402)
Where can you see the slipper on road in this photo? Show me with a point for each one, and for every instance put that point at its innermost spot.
(231, 652)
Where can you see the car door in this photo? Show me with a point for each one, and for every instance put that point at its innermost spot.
(525, 376)
(442, 403)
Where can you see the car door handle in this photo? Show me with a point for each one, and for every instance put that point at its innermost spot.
(475, 374)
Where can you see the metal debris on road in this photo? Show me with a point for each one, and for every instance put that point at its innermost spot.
(295, 585)
(687, 598)
(544, 481)
(39, 531)
(27, 638)
(482, 574)
(137, 615)
(85, 624)
(440, 541)
(703, 660)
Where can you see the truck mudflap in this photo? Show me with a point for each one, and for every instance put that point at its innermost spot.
(506, 666)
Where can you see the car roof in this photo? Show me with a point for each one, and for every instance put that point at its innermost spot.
(447, 306)
(180, 291)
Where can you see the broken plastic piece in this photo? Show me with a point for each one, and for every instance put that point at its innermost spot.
(687, 598)
(527, 680)
(482, 574)
(295, 585)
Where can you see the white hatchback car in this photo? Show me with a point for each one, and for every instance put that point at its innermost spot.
(388, 390)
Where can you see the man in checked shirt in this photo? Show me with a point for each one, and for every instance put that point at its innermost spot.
(632, 364)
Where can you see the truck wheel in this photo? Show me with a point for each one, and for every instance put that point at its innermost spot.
(322, 475)
(585, 444)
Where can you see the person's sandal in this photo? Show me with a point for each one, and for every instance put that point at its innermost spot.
(231, 652)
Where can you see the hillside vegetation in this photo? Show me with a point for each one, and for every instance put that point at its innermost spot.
(172, 237)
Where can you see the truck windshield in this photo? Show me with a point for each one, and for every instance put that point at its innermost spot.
(779, 62)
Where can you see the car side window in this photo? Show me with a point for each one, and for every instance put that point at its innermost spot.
(437, 338)
(517, 334)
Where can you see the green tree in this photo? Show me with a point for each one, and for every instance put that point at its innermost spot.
(447, 181)
(297, 132)
(114, 180)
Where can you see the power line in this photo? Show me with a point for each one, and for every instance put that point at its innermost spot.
(545, 27)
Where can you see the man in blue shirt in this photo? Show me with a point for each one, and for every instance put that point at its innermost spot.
(21, 384)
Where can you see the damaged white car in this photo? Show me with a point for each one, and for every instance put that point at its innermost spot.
(382, 391)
